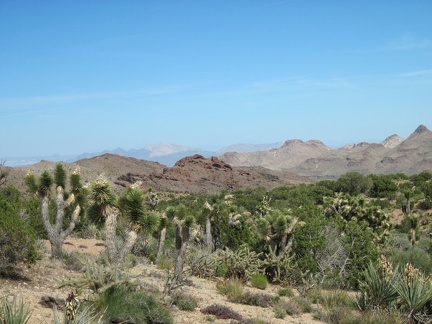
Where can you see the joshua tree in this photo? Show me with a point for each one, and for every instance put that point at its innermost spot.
(105, 204)
(131, 205)
(152, 199)
(67, 203)
(278, 229)
(408, 195)
(161, 236)
(183, 223)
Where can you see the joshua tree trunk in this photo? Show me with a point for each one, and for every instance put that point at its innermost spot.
(179, 249)
(209, 239)
(111, 214)
(182, 237)
(130, 241)
(289, 237)
(161, 243)
(56, 235)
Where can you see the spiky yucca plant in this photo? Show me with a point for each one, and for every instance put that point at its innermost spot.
(414, 290)
(14, 312)
(378, 288)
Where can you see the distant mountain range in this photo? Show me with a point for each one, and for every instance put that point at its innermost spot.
(295, 161)
(311, 159)
(316, 160)
(164, 153)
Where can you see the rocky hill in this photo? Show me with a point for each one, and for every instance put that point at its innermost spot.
(316, 160)
(194, 174)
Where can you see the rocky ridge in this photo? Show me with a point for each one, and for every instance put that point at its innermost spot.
(316, 160)
(192, 174)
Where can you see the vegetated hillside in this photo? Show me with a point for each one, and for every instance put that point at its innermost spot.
(194, 174)
(316, 160)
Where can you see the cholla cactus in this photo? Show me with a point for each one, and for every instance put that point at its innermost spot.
(264, 208)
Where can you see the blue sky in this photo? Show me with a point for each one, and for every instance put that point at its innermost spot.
(84, 76)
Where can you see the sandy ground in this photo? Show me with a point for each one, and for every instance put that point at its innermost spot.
(44, 278)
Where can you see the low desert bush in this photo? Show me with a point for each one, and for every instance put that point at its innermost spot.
(287, 307)
(222, 312)
(260, 300)
(233, 289)
(184, 301)
(165, 263)
(124, 304)
(259, 281)
(286, 292)
(72, 261)
(304, 303)
(331, 298)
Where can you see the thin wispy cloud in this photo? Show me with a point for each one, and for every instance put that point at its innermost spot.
(406, 42)
(303, 82)
(416, 73)
(10, 103)
(278, 3)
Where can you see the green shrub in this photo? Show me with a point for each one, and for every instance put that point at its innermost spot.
(221, 270)
(130, 261)
(280, 312)
(233, 289)
(14, 312)
(304, 304)
(286, 292)
(416, 255)
(341, 315)
(331, 298)
(184, 301)
(123, 304)
(259, 281)
(17, 239)
(291, 307)
(165, 263)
